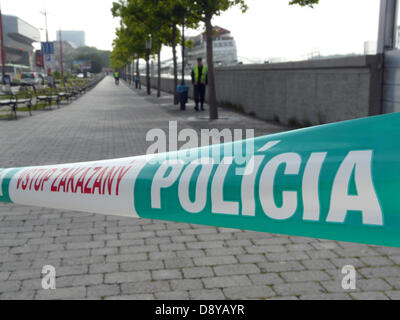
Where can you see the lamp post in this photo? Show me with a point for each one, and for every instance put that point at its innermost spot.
(61, 59)
(387, 25)
(148, 48)
(3, 55)
(183, 89)
(183, 51)
(47, 40)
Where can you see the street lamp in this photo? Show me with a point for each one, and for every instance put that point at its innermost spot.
(148, 48)
(183, 89)
(3, 54)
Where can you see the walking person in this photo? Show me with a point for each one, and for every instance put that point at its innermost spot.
(116, 77)
(199, 81)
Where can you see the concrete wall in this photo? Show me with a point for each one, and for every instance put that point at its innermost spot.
(391, 83)
(302, 93)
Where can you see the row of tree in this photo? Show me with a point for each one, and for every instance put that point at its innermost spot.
(99, 58)
(160, 20)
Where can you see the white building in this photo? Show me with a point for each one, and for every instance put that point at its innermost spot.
(19, 37)
(225, 51)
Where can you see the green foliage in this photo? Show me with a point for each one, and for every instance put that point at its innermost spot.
(205, 9)
(98, 58)
(304, 3)
(56, 75)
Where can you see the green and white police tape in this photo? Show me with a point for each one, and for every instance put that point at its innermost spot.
(339, 181)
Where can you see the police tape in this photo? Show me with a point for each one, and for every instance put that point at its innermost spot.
(337, 182)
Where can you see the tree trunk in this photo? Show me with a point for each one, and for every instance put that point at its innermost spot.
(211, 75)
(138, 73)
(159, 74)
(175, 63)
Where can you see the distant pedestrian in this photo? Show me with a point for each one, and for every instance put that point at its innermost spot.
(137, 82)
(199, 81)
(116, 77)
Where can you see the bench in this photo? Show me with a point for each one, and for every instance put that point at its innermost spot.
(64, 93)
(47, 95)
(8, 99)
(24, 97)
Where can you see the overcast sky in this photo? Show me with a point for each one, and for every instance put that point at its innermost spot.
(270, 28)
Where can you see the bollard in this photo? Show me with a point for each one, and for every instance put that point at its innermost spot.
(338, 182)
(183, 92)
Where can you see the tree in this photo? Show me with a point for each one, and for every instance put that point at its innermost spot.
(303, 3)
(131, 36)
(97, 57)
(206, 10)
(158, 18)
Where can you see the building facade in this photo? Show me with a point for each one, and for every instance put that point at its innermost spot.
(77, 38)
(19, 37)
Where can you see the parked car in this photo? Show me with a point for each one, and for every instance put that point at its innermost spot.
(32, 78)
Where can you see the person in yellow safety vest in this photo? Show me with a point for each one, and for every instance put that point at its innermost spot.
(116, 75)
(200, 81)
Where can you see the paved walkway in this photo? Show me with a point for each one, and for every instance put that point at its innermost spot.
(99, 257)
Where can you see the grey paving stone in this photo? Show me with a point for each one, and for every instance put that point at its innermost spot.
(162, 255)
(103, 268)
(197, 272)
(377, 261)
(186, 284)
(214, 261)
(369, 296)
(287, 256)
(119, 258)
(145, 287)
(379, 272)
(166, 274)
(266, 279)
(142, 265)
(4, 275)
(6, 286)
(373, 285)
(238, 269)
(64, 293)
(393, 295)
(319, 264)
(303, 276)
(327, 296)
(394, 281)
(172, 295)
(251, 258)
(125, 277)
(215, 294)
(103, 291)
(226, 282)
(178, 263)
(249, 292)
(19, 295)
(226, 251)
(335, 286)
(83, 280)
(298, 288)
